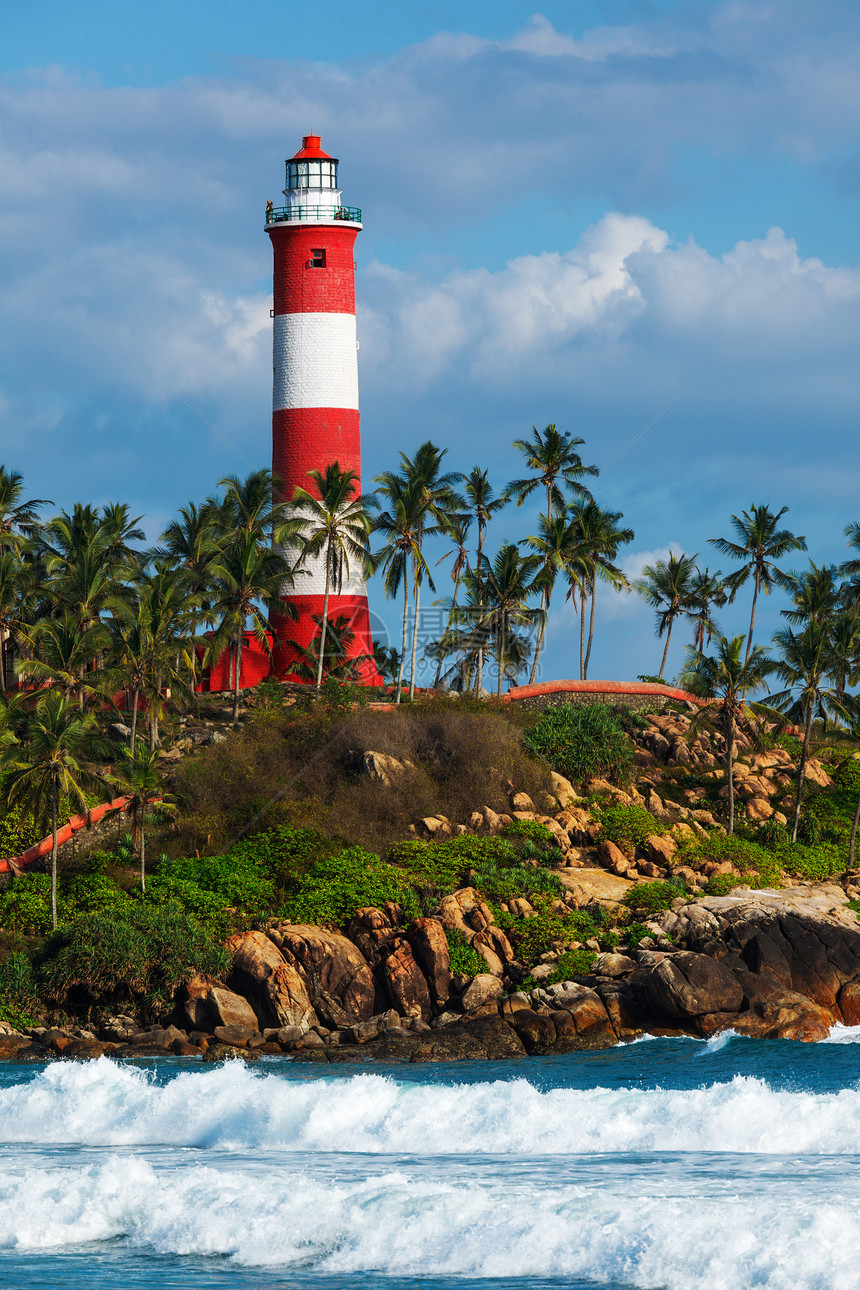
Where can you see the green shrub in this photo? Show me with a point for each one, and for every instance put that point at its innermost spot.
(571, 964)
(759, 867)
(446, 864)
(129, 956)
(628, 827)
(814, 863)
(18, 831)
(654, 896)
(463, 957)
(337, 886)
(636, 932)
(531, 830)
(723, 883)
(17, 990)
(26, 905)
(236, 879)
(548, 930)
(582, 743)
(499, 882)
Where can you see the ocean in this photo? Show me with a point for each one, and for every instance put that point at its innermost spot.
(674, 1164)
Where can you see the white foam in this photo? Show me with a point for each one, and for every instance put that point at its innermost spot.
(235, 1108)
(843, 1035)
(402, 1224)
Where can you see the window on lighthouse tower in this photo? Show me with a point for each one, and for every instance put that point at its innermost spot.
(318, 259)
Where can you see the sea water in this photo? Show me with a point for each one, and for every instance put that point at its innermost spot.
(669, 1163)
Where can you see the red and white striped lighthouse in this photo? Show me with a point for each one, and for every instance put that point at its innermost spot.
(315, 402)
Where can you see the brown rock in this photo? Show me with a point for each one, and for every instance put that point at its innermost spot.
(661, 849)
(690, 985)
(264, 976)
(758, 808)
(611, 857)
(522, 802)
(536, 1030)
(331, 964)
(405, 982)
(483, 988)
(205, 1004)
(430, 949)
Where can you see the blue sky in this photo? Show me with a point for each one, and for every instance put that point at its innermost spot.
(570, 214)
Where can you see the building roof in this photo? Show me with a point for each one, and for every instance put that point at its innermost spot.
(311, 149)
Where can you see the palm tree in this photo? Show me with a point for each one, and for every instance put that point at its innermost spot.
(152, 633)
(815, 594)
(17, 596)
(668, 587)
(245, 573)
(554, 544)
(843, 649)
(596, 539)
(62, 653)
(401, 528)
(482, 506)
(759, 544)
(802, 666)
(44, 768)
(140, 782)
(334, 527)
(17, 516)
(707, 592)
(511, 580)
(456, 527)
(725, 682)
(250, 504)
(553, 459)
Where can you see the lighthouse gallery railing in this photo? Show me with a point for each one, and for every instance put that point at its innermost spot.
(282, 214)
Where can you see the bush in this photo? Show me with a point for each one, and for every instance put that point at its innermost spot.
(571, 964)
(505, 883)
(548, 930)
(723, 883)
(636, 932)
(17, 991)
(530, 831)
(758, 866)
(654, 897)
(336, 887)
(815, 863)
(134, 956)
(26, 905)
(628, 827)
(583, 742)
(463, 957)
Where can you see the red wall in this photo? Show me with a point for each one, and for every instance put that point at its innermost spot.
(256, 667)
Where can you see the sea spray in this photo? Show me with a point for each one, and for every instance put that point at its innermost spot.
(234, 1108)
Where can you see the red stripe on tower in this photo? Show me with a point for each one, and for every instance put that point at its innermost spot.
(315, 417)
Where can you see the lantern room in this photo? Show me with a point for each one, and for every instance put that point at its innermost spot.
(311, 167)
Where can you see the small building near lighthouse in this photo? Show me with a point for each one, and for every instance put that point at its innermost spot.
(315, 416)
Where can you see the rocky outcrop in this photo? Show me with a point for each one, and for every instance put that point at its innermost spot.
(272, 985)
(334, 970)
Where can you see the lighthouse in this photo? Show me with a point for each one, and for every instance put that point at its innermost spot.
(315, 419)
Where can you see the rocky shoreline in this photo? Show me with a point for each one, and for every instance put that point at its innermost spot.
(767, 964)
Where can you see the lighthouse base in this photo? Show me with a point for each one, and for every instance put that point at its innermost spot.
(293, 637)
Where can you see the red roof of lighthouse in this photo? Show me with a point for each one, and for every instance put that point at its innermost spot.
(311, 149)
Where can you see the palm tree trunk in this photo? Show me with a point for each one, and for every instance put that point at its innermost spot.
(54, 795)
(2, 660)
(730, 773)
(854, 834)
(438, 677)
(666, 650)
(142, 850)
(134, 702)
(544, 604)
(324, 624)
(405, 631)
(414, 636)
(590, 627)
(581, 634)
(807, 730)
(500, 653)
(752, 615)
(480, 670)
(239, 643)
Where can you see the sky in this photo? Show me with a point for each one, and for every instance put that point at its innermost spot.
(572, 214)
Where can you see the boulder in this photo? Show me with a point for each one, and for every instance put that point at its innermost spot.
(384, 769)
(562, 790)
(429, 945)
(613, 965)
(264, 976)
(204, 1004)
(483, 988)
(331, 964)
(688, 985)
(536, 1030)
(611, 857)
(661, 849)
(405, 982)
(522, 802)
